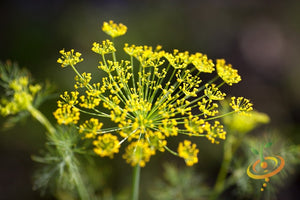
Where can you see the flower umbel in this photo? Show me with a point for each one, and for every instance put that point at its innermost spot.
(138, 153)
(90, 128)
(151, 96)
(227, 73)
(21, 93)
(188, 152)
(106, 145)
(113, 29)
(241, 105)
(67, 114)
(69, 58)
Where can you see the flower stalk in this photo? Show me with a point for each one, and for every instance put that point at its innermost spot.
(135, 183)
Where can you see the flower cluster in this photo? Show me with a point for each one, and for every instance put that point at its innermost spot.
(150, 97)
(69, 58)
(113, 29)
(20, 92)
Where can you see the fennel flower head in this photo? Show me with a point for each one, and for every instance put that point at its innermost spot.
(149, 96)
(20, 92)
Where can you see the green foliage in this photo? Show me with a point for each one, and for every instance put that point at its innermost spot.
(20, 92)
(254, 151)
(179, 184)
(267, 145)
(57, 159)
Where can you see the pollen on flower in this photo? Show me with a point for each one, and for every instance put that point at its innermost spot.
(83, 80)
(90, 128)
(179, 60)
(146, 55)
(195, 126)
(138, 153)
(22, 95)
(202, 63)
(227, 73)
(241, 105)
(169, 127)
(156, 140)
(69, 58)
(207, 107)
(67, 114)
(89, 101)
(106, 145)
(113, 29)
(106, 47)
(213, 93)
(69, 99)
(216, 132)
(188, 152)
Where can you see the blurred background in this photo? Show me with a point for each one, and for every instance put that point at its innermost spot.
(260, 38)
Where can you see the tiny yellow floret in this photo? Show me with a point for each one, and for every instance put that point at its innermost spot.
(138, 153)
(241, 105)
(69, 58)
(67, 114)
(106, 145)
(90, 128)
(188, 152)
(106, 47)
(227, 73)
(113, 29)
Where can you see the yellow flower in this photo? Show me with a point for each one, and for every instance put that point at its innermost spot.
(207, 107)
(90, 128)
(213, 93)
(145, 55)
(216, 131)
(67, 114)
(195, 126)
(138, 153)
(169, 127)
(69, 58)
(202, 63)
(154, 95)
(21, 95)
(179, 60)
(83, 80)
(241, 105)
(106, 47)
(156, 140)
(69, 99)
(227, 73)
(106, 145)
(113, 29)
(188, 152)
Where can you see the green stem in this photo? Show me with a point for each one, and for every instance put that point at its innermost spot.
(220, 182)
(136, 182)
(230, 146)
(42, 119)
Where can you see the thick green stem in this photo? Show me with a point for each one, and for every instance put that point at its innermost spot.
(219, 185)
(42, 119)
(230, 146)
(135, 183)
